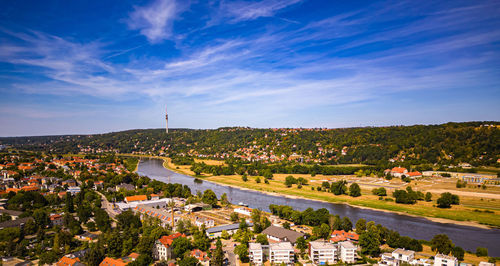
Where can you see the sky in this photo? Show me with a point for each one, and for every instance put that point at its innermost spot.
(82, 67)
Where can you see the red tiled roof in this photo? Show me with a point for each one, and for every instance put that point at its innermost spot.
(65, 261)
(167, 240)
(398, 170)
(136, 198)
(112, 262)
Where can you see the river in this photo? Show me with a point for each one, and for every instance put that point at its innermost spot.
(467, 237)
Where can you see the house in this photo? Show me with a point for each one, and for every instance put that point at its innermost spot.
(87, 236)
(98, 185)
(322, 252)
(347, 252)
(13, 214)
(126, 187)
(69, 183)
(403, 255)
(341, 235)
(255, 253)
(388, 260)
(281, 252)
(445, 260)
(162, 249)
(215, 232)
(155, 196)
(204, 221)
(483, 263)
(15, 223)
(201, 256)
(243, 210)
(56, 219)
(112, 262)
(415, 174)
(398, 171)
(68, 261)
(281, 234)
(73, 190)
(136, 198)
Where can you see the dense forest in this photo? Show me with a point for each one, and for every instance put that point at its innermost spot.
(477, 143)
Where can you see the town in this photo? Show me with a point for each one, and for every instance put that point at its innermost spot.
(94, 210)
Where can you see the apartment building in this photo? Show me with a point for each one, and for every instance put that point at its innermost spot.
(322, 252)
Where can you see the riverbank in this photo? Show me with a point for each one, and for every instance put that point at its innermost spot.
(459, 215)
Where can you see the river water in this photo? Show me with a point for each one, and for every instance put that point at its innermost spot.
(467, 237)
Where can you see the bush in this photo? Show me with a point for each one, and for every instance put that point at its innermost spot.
(379, 191)
(482, 252)
(447, 199)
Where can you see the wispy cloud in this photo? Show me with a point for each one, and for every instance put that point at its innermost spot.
(155, 20)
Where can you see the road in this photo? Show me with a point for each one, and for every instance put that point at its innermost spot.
(108, 206)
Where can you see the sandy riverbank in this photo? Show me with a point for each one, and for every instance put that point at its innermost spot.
(438, 220)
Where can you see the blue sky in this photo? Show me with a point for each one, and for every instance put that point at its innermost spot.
(70, 67)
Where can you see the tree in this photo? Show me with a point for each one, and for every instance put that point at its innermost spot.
(447, 199)
(224, 235)
(290, 180)
(224, 201)
(200, 239)
(339, 187)
(217, 255)
(242, 251)
(48, 257)
(379, 191)
(262, 239)
(95, 255)
(354, 190)
(442, 244)
(244, 177)
(209, 197)
(188, 261)
(360, 226)
(102, 219)
(428, 196)
(458, 253)
(286, 225)
(482, 252)
(41, 218)
(69, 207)
(180, 246)
(370, 242)
(234, 217)
(322, 231)
(301, 244)
(346, 224)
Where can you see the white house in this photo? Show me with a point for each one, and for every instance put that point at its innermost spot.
(255, 253)
(204, 221)
(347, 252)
(402, 254)
(162, 249)
(243, 210)
(321, 252)
(281, 252)
(445, 260)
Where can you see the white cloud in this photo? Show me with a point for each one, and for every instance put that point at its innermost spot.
(155, 20)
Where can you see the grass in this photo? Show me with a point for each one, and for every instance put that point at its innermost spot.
(426, 209)
(465, 212)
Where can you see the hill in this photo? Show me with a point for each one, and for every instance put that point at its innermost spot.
(477, 143)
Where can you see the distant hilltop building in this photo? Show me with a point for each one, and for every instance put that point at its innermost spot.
(166, 120)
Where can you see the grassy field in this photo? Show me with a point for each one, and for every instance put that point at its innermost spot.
(471, 210)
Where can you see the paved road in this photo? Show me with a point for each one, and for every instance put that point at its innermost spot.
(108, 206)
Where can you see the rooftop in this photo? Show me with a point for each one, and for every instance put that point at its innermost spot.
(282, 233)
(321, 245)
(281, 246)
(347, 245)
